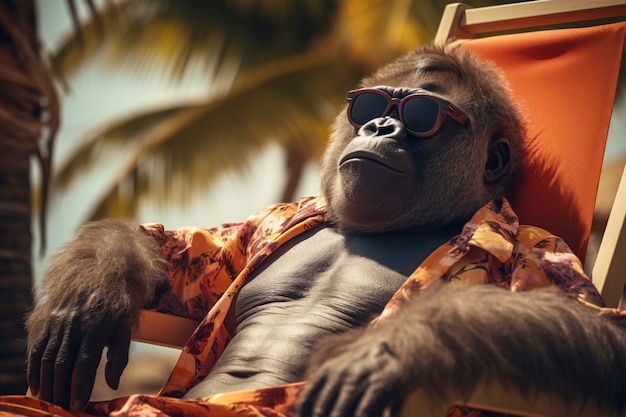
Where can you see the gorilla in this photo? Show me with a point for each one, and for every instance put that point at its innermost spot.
(426, 144)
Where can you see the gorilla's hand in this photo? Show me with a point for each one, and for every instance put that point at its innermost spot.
(70, 338)
(361, 381)
(89, 298)
(454, 339)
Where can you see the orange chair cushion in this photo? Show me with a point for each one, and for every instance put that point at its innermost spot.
(565, 81)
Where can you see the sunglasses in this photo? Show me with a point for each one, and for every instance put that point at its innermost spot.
(422, 114)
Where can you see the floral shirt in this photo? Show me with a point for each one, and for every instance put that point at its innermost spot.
(209, 267)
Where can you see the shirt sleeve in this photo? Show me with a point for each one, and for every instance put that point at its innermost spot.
(202, 264)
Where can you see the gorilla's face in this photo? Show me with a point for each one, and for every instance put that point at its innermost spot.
(399, 160)
(427, 141)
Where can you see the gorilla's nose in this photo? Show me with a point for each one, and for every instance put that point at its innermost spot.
(387, 126)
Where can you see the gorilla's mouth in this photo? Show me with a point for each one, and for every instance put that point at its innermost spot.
(369, 157)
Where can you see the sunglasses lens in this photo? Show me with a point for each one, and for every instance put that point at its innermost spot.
(367, 106)
(420, 114)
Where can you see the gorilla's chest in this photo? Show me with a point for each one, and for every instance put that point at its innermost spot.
(325, 272)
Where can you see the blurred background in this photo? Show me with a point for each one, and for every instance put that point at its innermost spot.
(201, 112)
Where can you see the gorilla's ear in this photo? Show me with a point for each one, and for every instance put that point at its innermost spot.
(498, 158)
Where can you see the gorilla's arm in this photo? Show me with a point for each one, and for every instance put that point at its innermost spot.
(453, 337)
(90, 297)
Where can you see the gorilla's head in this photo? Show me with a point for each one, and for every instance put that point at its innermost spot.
(425, 142)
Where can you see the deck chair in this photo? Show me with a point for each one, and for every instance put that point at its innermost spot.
(549, 71)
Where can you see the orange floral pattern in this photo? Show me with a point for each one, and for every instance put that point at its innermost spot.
(209, 266)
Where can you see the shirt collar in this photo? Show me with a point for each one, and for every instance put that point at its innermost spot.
(493, 228)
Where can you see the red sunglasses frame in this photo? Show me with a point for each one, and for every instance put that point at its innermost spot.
(445, 108)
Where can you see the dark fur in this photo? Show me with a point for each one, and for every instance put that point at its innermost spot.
(454, 336)
(109, 254)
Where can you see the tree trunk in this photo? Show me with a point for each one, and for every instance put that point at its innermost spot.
(26, 96)
(15, 267)
(295, 162)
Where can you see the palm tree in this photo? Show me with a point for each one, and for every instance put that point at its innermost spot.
(278, 71)
(28, 121)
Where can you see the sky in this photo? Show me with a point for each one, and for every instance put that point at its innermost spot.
(98, 97)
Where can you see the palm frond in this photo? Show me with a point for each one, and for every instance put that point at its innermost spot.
(119, 137)
(290, 103)
(378, 30)
(209, 36)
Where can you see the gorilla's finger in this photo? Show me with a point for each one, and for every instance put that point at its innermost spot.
(309, 397)
(117, 356)
(374, 400)
(87, 363)
(46, 386)
(64, 364)
(35, 354)
(327, 396)
(347, 400)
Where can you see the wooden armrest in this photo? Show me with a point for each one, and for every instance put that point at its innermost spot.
(496, 398)
(609, 270)
(164, 329)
